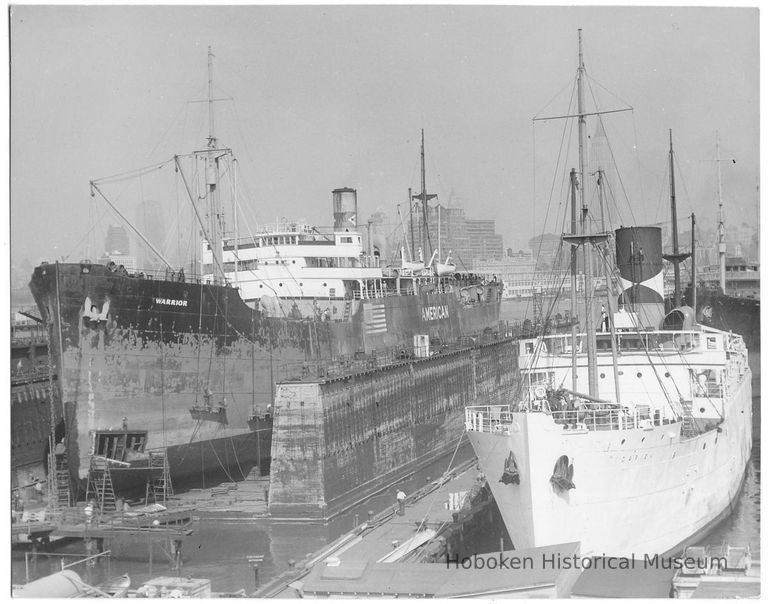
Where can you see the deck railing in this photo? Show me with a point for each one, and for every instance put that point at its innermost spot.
(655, 341)
(499, 418)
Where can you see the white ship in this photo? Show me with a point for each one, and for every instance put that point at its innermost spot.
(656, 453)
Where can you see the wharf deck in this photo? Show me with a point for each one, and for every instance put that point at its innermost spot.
(389, 536)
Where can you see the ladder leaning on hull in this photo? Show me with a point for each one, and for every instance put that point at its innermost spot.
(100, 488)
(59, 494)
(159, 485)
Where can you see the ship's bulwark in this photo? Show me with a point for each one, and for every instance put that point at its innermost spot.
(336, 441)
(142, 352)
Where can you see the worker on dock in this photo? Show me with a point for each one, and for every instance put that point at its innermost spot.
(38, 485)
(400, 502)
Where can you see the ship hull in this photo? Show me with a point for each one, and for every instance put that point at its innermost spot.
(636, 492)
(141, 352)
(731, 313)
(200, 464)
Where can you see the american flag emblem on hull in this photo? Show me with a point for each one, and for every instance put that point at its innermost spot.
(375, 316)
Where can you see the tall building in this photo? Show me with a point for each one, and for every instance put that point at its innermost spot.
(117, 248)
(116, 241)
(151, 223)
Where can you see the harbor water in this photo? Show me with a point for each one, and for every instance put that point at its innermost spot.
(219, 548)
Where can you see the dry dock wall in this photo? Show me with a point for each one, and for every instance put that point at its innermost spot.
(338, 440)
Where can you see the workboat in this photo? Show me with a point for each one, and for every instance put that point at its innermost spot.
(187, 357)
(654, 453)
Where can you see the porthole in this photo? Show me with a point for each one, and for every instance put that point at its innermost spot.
(293, 262)
(666, 374)
(621, 372)
(261, 286)
(602, 376)
(280, 285)
(325, 285)
(639, 374)
(701, 409)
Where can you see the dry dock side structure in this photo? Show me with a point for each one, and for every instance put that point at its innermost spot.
(338, 440)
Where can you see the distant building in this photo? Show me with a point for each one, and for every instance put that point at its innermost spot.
(116, 241)
(468, 240)
(151, 224)
(117, 248)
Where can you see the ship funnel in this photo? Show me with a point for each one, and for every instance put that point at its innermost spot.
(345, 209)
(638, 257)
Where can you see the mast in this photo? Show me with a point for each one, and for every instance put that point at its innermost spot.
(211, 157)
(675, 246)
(675, 257)
(424, 197)
(234, 217)
(607, 276)
(574, 254)
(721, 222)
(589, 319)
(693, 263)
(438, 234)
(410, 218)
(424, 211)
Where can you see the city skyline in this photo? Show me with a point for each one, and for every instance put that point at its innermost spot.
(343, 106)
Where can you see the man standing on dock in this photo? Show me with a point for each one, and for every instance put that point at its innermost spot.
(400, 502)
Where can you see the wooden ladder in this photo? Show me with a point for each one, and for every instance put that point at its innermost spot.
(159, 485)
(58, 481)
(100, 487)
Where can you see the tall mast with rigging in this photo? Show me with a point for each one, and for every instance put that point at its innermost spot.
(211, 157)
(675, 257)
(721, 219)
(424, 197)
(589, 322)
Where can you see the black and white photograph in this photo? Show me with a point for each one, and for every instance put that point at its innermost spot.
(384, 301)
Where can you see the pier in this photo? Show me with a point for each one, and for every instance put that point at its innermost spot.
(406, 552)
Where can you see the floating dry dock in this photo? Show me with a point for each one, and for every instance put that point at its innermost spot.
(340, 438)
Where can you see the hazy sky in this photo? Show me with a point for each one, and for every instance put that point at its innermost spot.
(336, 96)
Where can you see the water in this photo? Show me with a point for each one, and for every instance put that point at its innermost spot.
(218, 550)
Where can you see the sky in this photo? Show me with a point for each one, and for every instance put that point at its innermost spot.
(322, 97)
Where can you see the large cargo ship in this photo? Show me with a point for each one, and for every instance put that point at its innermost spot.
(186, 364)
(728, 295)
(737, 308)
